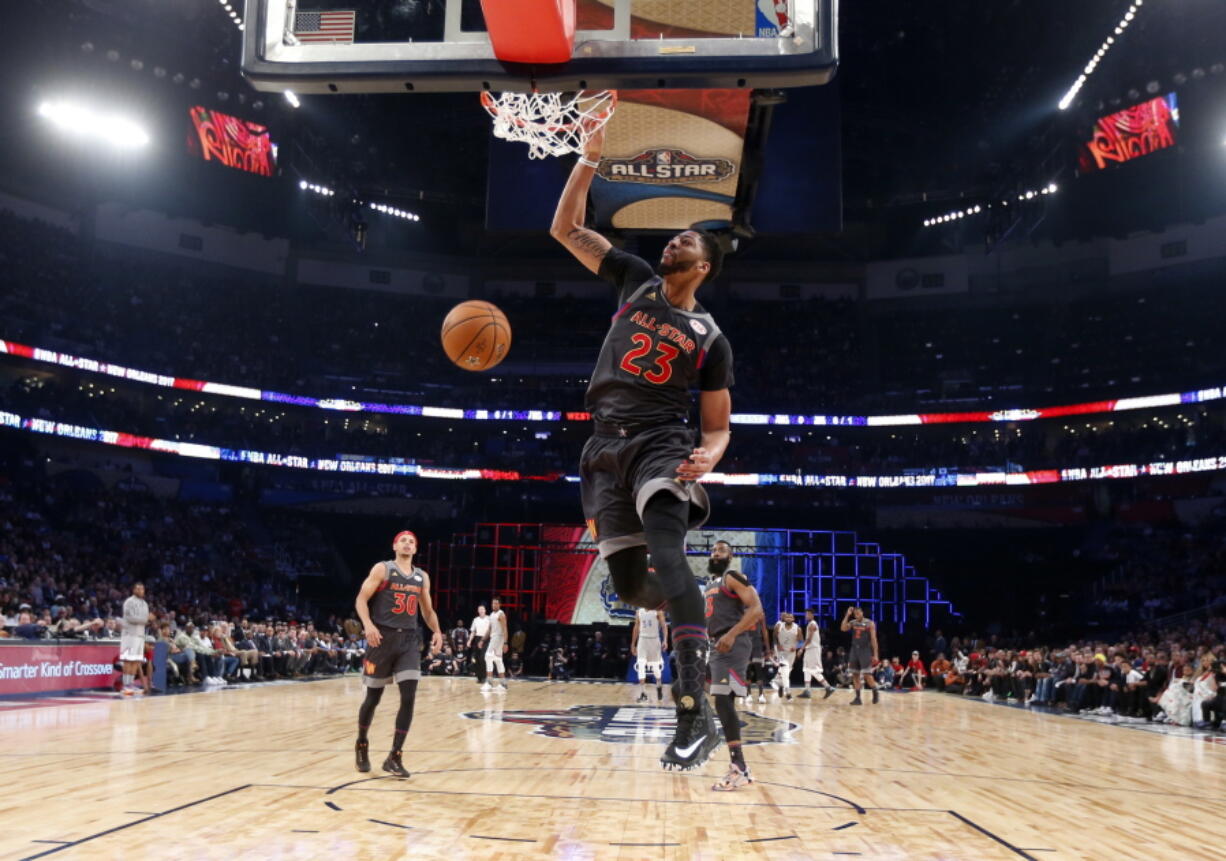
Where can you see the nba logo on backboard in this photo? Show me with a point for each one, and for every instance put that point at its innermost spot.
(773, 19)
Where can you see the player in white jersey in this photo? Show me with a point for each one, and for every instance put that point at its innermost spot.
(647, 643)
(496, 648)
(787, 639)
(812, 667)
(132, 638)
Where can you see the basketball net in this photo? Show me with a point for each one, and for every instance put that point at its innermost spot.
(551, 124)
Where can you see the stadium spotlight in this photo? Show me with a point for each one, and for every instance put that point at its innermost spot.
(117, 131)
(292, 98)
(302, 183)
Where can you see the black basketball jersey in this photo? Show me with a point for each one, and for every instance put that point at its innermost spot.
(861, 642)
(724, 607)
(654, 353)
(395, 604)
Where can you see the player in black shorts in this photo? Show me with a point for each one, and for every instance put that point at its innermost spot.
(639, 470)
(733, 610)
(392, 598)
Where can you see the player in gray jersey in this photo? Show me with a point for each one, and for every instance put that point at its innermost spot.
(862, 656)
(733, 610)
(394, 595)
(639, 470)
(132, 638)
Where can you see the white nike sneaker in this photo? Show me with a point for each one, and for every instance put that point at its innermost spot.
(486, 688)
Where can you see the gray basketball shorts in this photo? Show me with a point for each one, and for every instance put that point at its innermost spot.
(730, 669)
(860, 662)
(397, 658)
(618, 475)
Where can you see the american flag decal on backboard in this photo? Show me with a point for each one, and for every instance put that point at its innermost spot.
(336, 27)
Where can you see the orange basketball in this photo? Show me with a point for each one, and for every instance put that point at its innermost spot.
(476, 335)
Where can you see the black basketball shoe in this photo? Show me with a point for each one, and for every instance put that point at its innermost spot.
(876, 696)
(697, 735)
(393, 766)
(361, 752)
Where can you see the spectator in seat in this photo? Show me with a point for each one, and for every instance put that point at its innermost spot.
(1205, 688)
(515, 667)
(248, 655)
(938, 670)
(206, 657)
(1213, 710)
(226, 653)
(913, 674)
(886, 672)
(1176, 700)
(180, 662)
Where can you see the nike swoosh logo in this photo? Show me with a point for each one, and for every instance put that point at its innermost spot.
(686, 751)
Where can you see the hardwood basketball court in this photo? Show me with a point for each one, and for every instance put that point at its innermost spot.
(570, 771)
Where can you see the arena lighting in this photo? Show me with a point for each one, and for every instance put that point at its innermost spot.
(233, 13)
(1099, 55)
(931, 477)
(953, 216)
(391, 210)
(321, 190)
(1120, 405)
(75, 119)
(292, 98)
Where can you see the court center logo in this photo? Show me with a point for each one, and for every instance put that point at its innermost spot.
(666, 166)
(627, 724)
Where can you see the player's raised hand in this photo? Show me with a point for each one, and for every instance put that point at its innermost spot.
(594, 145)
(697, 465)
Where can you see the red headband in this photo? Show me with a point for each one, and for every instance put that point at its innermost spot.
(399, 534)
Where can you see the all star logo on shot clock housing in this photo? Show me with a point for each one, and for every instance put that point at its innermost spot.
(664, 165)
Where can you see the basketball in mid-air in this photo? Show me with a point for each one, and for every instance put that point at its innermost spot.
(476, 335)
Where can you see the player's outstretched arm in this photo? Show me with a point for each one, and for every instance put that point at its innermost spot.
(428, 614)
(588, 246)
(378, 573)
(845, 625)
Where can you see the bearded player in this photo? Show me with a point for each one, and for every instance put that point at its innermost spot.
(733, 612)
(639, 470)
(392, 597)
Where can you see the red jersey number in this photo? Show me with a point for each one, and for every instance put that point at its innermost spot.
(406, 604)
(663, 370)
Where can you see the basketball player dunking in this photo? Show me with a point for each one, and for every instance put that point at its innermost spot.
(733, 610)
(388, 604)
(639, 470)
(647, 643)
(862, 656)
(787, 639)
(812, 666)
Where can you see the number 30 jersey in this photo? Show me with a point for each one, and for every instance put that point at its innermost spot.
(395, 604)
(654, 353)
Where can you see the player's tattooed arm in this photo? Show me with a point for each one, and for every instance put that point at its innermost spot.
(588, 246)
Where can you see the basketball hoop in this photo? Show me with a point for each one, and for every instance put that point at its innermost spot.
(550, 123)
